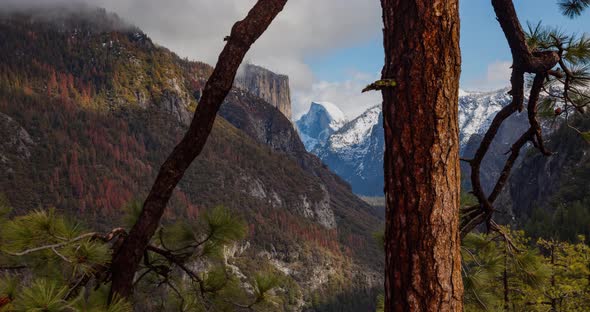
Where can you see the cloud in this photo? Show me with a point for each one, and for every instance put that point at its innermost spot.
(497, 76)
(196, 28)
(345, 94)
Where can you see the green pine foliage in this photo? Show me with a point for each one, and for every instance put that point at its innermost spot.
(95, 101)
(564, 212)
(55, 265)
(567, 90)
(517, 274)
(573, 8)
(43, 295)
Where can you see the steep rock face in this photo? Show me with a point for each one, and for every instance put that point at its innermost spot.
(271, 87)
(549, 194)
(355, 152)
(261, 121)
(101, 131)
(14, 138)
(318, 124)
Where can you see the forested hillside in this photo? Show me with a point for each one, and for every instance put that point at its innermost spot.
(89, 108)
(550, 195)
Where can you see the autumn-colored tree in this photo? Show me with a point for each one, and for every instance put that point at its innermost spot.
(243, 35)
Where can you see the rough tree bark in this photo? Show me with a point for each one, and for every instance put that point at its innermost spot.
(422, 179)
(243, 34)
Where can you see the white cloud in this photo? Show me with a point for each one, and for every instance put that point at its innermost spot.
(345, 94)
(196, 28)
(497, 76)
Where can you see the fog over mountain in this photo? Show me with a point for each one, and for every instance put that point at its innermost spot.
(306, 28)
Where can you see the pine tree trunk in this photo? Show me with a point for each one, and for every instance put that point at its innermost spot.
(422, 179)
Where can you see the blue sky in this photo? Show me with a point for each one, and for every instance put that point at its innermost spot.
(330, 49)
(484, 49)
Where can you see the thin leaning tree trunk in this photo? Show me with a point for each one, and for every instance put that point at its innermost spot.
(421, 163)
(243, 34)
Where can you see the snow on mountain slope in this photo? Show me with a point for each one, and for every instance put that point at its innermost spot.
(354, 135)
(476, 111)
(355, 150)
(333, 110)
(316, 126)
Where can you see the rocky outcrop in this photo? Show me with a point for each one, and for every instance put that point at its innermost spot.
(319, 211)
(261, 121)
(14, 139)
(271, 87)
(547, 182)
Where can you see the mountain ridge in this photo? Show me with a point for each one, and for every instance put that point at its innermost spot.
(271, 87)
(356, 152)
(321, 121)
(103, 109)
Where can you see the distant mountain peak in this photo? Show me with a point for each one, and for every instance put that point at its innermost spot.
(322, 119)
(335, 113)
(477, 109)
(357, 130)
(355, 150)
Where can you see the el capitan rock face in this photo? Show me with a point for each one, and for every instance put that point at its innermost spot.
(271, 87)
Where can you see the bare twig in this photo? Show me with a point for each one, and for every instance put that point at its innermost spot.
(53, 246)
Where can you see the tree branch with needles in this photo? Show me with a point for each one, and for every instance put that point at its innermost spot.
(541, 61)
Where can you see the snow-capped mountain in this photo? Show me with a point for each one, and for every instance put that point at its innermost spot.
(476, 110)
(316, 126)
(355, 149)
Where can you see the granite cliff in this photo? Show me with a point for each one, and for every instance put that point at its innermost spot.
(263, 83)
(88, 115)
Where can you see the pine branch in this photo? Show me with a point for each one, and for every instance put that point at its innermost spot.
(573, 8)
(92, 236)
(243, 34)
(380, 85)
(53, 246)
(180, 263)
(539, 61)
